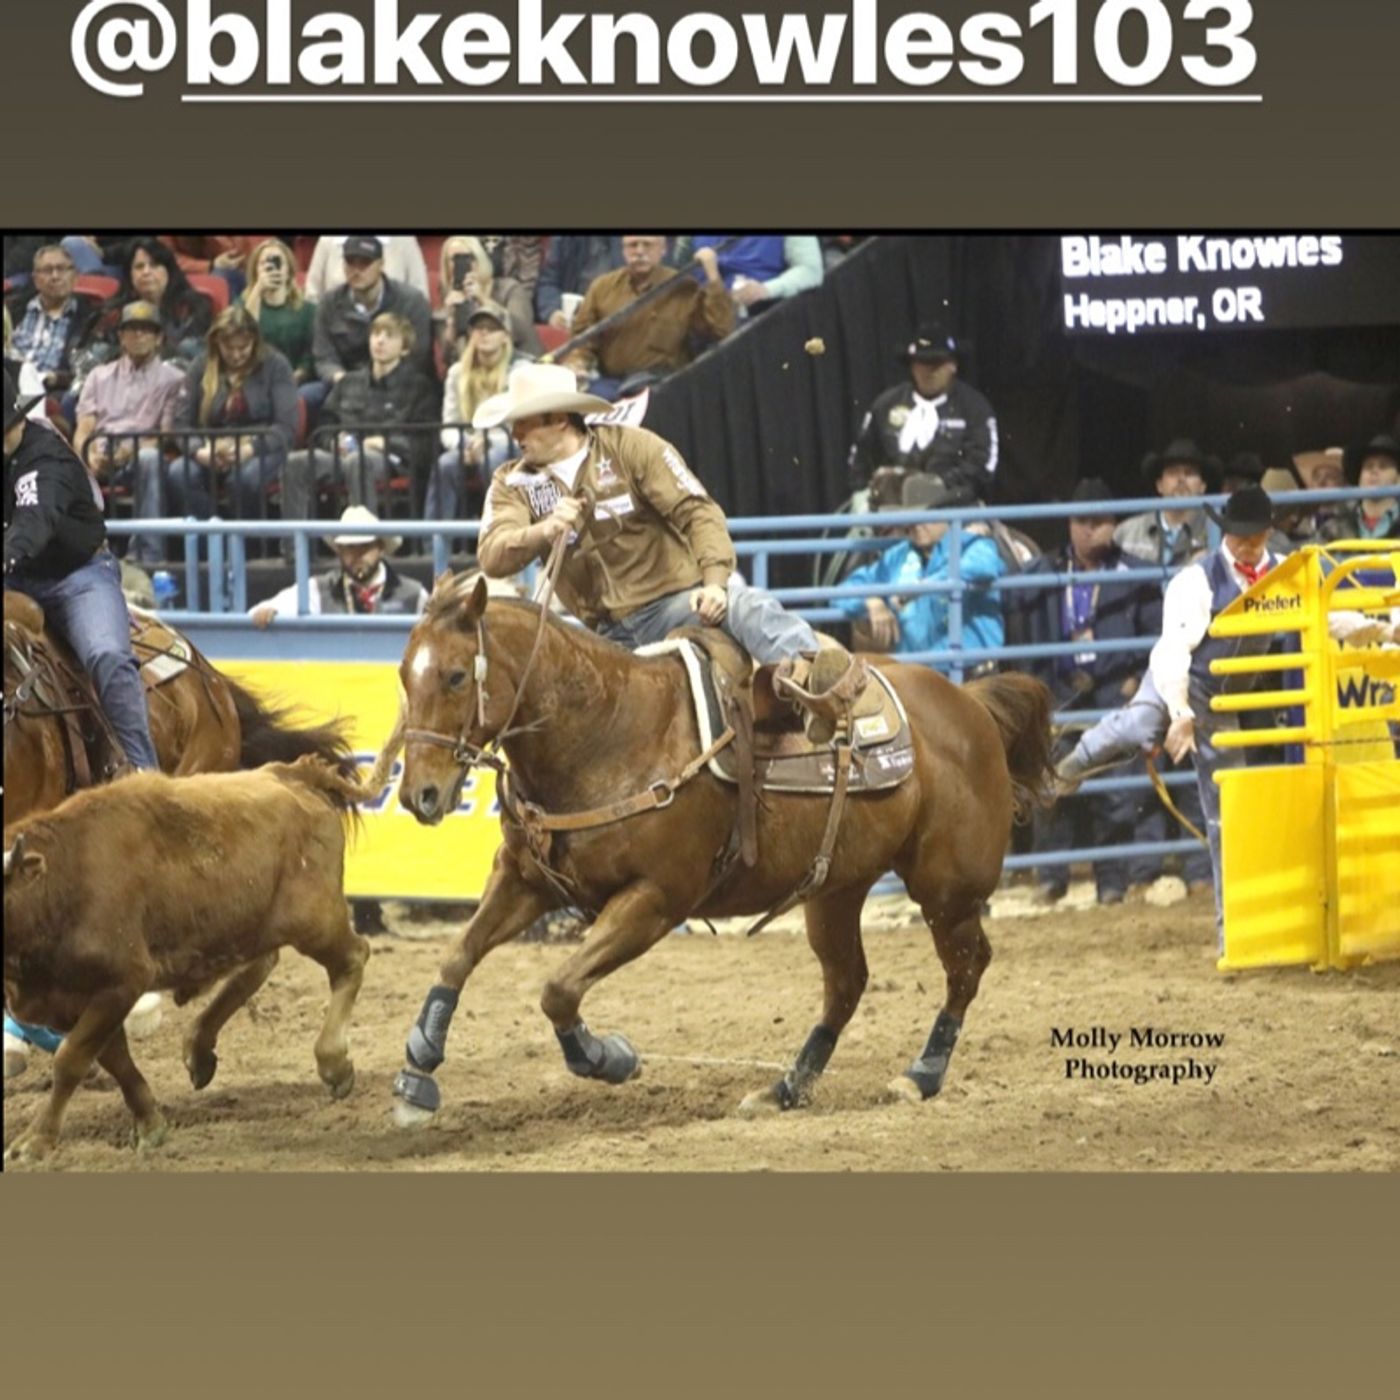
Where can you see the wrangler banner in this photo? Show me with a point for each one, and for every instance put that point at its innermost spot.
(393, 857)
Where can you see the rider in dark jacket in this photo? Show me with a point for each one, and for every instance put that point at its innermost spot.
(55, 552)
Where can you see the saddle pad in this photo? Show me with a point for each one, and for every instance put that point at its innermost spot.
(883, 745)
(163, 653)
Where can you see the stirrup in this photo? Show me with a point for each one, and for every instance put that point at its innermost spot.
(823, 690)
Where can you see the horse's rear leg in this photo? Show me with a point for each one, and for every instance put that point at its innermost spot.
(964, 952)
(833, 931)
(200, 1058)
(631, 921)
(508, 907)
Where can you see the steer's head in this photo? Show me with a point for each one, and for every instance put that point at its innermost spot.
(21, 862)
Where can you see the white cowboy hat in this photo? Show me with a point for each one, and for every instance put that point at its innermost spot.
(536, 388)
(363, 515)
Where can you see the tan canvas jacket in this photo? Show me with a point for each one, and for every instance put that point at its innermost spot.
(657, 337)
(655, 529)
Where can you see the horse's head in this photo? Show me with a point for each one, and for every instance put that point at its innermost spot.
(455, 698)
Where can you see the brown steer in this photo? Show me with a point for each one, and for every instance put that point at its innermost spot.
(156, 883)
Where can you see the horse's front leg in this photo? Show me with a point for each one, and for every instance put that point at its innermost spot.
(632, 920)
(508, 906)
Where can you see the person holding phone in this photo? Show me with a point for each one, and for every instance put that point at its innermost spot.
(286, 320)
(468, 277)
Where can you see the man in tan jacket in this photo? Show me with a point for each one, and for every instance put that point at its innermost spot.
(657, 338)
(653, 554)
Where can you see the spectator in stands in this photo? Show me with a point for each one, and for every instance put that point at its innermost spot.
(920, 623)
(517, 256)
(1243, 469)
(932, 423)
(364, 406)
(571, 265)
(137, 393)
(285, 318)
(468, 278)
(1377, 464)
(55, 321)
(1323, 470)
(364, 583)
(1085, 613)
(151, 274)
(482, 372)
(657, 339)
(240, 382)
(760, 269)
(212, 255)
(403, 263)
(344, 316)
(1293, 524)
(31, 387)
(1171, 536)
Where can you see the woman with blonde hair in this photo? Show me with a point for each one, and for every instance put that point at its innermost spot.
(239, 383)
(273, 299)
(468, 278)
(470, 454)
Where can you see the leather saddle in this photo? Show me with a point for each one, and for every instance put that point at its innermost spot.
(727, 689)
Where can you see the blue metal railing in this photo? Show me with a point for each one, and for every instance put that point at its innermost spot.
(757, 541)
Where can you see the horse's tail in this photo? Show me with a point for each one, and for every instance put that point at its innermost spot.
(1021, 707)
(270, 735)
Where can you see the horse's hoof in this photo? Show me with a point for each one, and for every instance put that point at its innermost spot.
(620, 1061)
(28, 1148)
(16, 1056)
(913, 1088)
(341, 1085)
(416, 1098)
(762, 1103)
(201, 1065)
(145, 1017)
(151, 1137)
(410, 1116)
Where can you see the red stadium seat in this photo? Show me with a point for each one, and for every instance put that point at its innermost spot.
(215, 288)
(94, 285)
(551, 337)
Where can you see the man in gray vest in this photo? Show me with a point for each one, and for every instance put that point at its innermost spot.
(1172, 707)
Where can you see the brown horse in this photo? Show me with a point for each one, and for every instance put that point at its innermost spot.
(594, 723)
(57, 739)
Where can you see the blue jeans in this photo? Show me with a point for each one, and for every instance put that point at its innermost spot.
(189, 489)
(143, 475)
(88, 608)
(444, 498)
(756, 620)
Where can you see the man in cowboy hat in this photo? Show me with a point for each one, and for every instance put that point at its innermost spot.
(364, 583)
(1377, 466)
(1172, 536)
(933, 422)
(651, 551)
(1090, 679)
(1172, 707)
(56, 553)
(920, 555)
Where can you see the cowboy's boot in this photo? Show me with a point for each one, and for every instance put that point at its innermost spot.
(824, 689)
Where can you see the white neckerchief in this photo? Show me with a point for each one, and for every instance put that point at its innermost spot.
(921, 425)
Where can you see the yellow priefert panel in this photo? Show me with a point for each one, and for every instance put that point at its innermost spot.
(1273, 853)
(1368, 860)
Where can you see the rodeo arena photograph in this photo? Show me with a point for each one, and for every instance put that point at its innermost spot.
(885, 702)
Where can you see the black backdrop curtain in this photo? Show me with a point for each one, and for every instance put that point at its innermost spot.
(768, 425)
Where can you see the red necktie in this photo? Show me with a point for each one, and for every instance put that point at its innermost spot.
(1252, 572)
(366, 598)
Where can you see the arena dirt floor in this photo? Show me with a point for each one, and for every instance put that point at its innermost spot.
(1307, 1077)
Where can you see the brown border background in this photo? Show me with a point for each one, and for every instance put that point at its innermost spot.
(760, 1285)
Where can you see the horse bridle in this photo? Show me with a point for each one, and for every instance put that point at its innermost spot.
(465, 754)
